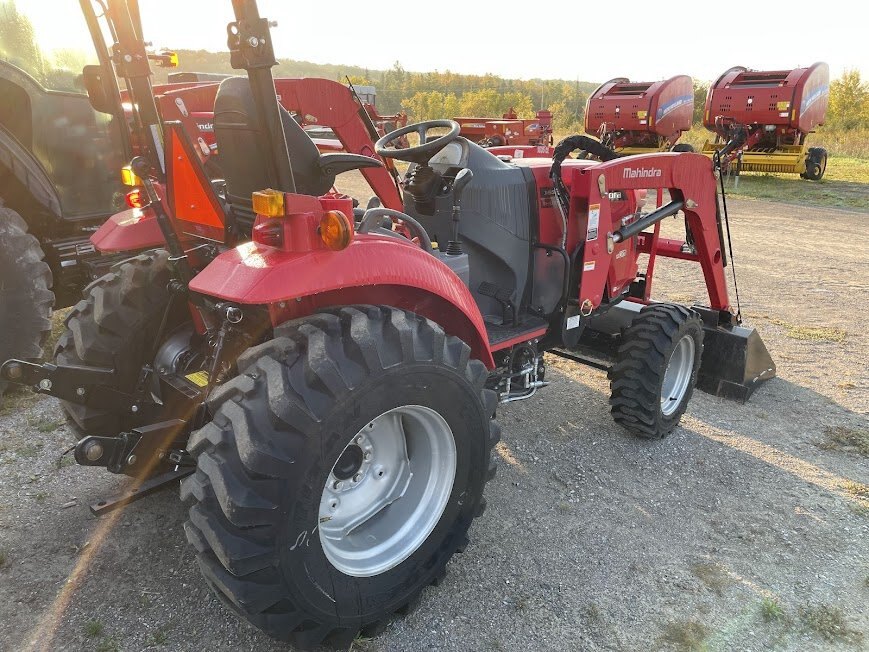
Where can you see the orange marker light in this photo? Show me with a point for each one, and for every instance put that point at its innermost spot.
(268, 202)
(336, 230)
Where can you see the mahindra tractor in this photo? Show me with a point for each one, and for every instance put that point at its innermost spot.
(326, 387)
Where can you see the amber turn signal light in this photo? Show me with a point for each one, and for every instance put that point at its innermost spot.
(336, 230)
(128, 177)
(268, 202)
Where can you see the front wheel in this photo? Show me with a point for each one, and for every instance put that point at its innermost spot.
(656, 370)
(340, 473)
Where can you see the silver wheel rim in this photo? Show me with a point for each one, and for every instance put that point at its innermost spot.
(387, 491)
(677, 377)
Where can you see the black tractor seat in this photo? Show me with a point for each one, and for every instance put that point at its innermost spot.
(244, 158)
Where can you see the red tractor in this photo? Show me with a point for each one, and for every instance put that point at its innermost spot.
(769, 115)
(329, 387)
(641, 117)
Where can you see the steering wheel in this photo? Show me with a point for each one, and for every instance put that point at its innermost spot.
(426, 149)
(371, 222)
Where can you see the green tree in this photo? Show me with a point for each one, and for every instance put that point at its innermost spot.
(700, 90)
(849, 101)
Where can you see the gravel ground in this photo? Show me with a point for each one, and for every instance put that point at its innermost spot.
(744, 530)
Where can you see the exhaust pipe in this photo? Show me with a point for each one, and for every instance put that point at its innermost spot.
(735, 360)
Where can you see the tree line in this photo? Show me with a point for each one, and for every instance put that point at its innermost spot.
(432, 95)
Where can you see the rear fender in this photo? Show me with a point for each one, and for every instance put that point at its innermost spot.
(131, 230)
(372, 270)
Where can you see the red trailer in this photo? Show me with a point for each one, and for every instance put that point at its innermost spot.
(640, 117)
(771, 112)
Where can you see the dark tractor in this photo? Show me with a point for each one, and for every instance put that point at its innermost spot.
(59, 170)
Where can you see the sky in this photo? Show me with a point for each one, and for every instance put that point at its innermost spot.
(564, 39)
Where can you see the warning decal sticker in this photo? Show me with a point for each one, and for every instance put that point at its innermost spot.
(593, 221)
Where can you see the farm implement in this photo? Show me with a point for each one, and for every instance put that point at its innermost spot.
(641, 117)
(511, 131)
(328, 386)
(770, 115)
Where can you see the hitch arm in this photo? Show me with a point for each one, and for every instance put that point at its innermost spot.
(91, 386)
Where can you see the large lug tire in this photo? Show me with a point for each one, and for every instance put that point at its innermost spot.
(656, 370)
(264, 492)
(26, 299)
(114, 326)
(816, 164)
(683, 147)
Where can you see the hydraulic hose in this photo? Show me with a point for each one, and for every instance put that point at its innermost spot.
(561, 152)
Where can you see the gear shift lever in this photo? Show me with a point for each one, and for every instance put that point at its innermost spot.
(463, 178)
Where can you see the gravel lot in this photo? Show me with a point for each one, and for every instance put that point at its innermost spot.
(747, 529)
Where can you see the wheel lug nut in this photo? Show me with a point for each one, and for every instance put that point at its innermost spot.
(367, 455)
(338, 484)
(357, 477)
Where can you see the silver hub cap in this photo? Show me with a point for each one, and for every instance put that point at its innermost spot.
(677, 377)
(387, 491)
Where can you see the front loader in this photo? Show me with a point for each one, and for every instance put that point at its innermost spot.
(328, 388)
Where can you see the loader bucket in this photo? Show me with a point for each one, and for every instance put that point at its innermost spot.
(735, 361)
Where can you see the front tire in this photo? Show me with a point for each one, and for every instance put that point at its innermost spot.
(25, 296)
(274, 476)
(656, 370)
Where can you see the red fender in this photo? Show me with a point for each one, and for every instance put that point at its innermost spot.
(372, 270)
(130, 230)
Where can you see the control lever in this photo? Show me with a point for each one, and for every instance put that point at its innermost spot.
(463, 178)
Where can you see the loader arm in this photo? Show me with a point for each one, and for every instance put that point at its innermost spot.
(690, 181)
(323, 101)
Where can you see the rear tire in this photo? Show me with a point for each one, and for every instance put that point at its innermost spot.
(281, 431)
(683, 147)
(25, 298)
(114, 326)
(656, 370)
